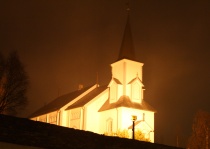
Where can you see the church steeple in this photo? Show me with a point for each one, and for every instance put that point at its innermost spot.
(127, 48)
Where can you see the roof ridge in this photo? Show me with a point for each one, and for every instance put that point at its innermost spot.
(58, 102)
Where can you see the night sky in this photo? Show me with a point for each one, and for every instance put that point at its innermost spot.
(66, 43)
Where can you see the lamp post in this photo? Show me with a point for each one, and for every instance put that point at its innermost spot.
(133, 118)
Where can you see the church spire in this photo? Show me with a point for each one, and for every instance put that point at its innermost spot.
(127, 48)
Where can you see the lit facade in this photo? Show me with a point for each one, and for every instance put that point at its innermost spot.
(106, 109)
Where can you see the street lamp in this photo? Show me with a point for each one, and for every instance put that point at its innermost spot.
(133, 118)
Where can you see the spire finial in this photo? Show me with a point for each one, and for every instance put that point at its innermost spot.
(128, 6)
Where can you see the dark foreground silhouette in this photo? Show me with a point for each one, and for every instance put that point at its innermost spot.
(32, 133)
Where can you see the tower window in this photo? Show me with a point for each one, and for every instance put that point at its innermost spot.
(136, 91)
(113, 93)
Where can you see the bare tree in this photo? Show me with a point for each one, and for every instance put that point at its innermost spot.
(13, 84)
(200, 131)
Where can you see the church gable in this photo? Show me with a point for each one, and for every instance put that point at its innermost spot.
(115, 89)
(87, 98)
(135, 87)
(137, 79)
(84, 111)
(114, 81)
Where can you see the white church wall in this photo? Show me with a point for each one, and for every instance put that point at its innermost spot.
(42, 118)
(121, 118)
(116, 91)
(113, 92)
(64, 118)
(74, 118)
(136, 92)
(105, 118)
(52, 117)
(83, 118)
(34, 118)
(92, 119)
(146, 118)
(119, 91)
(126, 114)
(92, 115)
(147, 126)
(128, 67)
(128, 90)
(117, 70)
(151, 135)
(132, 70)
(149, 118)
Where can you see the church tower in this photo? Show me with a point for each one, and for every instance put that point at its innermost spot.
(126, 93)
(126, 71)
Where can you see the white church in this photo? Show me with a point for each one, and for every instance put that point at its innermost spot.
(106, 109)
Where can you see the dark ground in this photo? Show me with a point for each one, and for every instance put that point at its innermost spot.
(32, 133)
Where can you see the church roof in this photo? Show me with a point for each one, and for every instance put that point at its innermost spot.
(117, 81)
(65, 99)
(133, 80)
(59, 102)
(127, 48)
(125, 101)
(81, 102)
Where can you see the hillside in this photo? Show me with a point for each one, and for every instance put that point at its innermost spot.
(31, 133)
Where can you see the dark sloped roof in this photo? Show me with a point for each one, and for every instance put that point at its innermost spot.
(58, 102)
(125, 101)
(81, 102)
(117, 81)
(127, 48)
(134, 80)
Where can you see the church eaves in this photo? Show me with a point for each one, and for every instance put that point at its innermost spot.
(125, 101)
(127, 48)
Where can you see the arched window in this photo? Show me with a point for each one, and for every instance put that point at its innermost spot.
(109, 125)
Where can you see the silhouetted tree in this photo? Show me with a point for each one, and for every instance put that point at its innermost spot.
(200, 131)
(13, 84)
